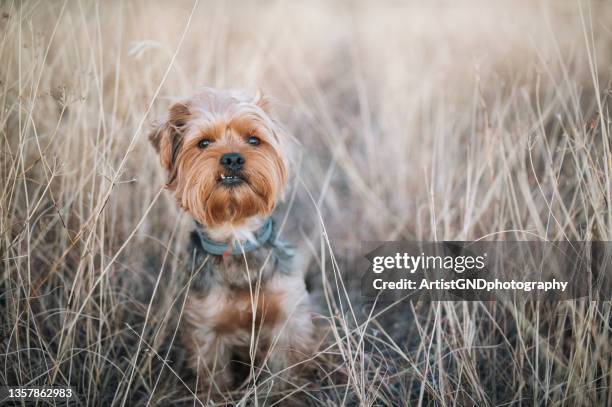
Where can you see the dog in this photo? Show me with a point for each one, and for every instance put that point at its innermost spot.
(225, 156)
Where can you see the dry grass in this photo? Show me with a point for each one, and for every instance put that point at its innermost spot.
(435, 122)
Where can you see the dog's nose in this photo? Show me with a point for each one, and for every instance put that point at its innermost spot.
(232, 161)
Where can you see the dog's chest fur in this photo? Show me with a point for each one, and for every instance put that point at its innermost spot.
(232, 295)
(240, 271)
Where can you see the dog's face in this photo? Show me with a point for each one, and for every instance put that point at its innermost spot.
(223, 154)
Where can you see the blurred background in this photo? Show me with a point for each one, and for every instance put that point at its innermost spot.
(420, 121)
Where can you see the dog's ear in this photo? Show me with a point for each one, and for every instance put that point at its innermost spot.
(263, 101)
(167, 136)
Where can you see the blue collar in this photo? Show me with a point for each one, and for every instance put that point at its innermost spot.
(262, 236)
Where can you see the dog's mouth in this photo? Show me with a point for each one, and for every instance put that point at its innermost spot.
(231, 179)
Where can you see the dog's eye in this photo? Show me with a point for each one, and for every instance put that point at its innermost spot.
(204, 143)
(254, 141)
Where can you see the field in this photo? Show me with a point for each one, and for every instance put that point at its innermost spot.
(417, 121)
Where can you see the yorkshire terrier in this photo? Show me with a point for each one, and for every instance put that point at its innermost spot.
(224, 153)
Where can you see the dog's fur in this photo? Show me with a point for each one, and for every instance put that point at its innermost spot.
(250, 306)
